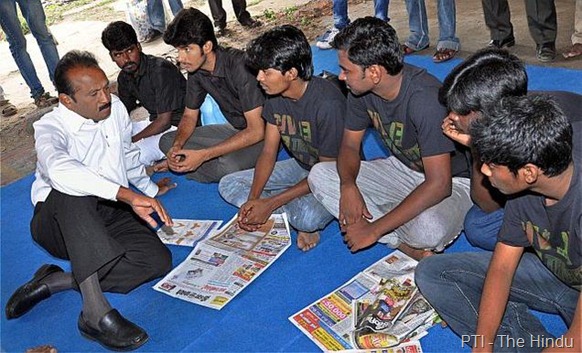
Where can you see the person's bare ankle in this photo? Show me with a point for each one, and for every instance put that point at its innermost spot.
(417, 254)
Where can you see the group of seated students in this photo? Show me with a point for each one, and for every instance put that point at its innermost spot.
(477, 153)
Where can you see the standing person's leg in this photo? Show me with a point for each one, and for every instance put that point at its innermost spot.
(218, 14)
(543, 26)
(242, 15)
(17, 44)
(381, 9)
(576, 49)
(448, 44)
(340, 21)
(213, 170)
(157, 15)
(453, 283)
(418, 25)
(176, 6)
(498, 19)
(34, 15)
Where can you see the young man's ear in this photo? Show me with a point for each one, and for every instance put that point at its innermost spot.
(530, 173)
(207, 47)
(291, 74)
(375, 73)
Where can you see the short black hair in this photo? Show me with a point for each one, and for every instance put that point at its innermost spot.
(190, 26)
(281, 48)
(118, 36)
(524, 129)
(370, 41)
(69, 61)
(482, 80)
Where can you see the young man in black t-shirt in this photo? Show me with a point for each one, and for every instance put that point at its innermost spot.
(149, 81)
(303, 112)
(479, 82)
(414, 200)
(529, 149)
(207, 153)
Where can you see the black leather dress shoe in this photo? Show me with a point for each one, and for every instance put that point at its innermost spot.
(251, 23)
(114, 332)
(30, 293)
(503, 43)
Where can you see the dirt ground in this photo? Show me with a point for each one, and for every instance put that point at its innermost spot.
(81, 29)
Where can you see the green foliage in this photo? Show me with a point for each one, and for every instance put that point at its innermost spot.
(269, 14)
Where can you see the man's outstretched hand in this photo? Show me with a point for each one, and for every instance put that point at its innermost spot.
(144, 206)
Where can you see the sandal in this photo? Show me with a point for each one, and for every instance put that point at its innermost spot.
(8, 109)
(575, 51)
(444, 54)
(406, 50)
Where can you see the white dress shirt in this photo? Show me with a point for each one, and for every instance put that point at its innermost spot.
(80, 157)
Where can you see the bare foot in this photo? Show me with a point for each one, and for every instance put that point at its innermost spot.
(42, 349)
(575, 50)
(307, 241)
(417, 254)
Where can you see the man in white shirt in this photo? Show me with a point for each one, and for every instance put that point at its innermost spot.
(84, 210)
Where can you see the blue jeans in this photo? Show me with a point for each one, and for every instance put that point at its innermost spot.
(418, 24)
(157, 15)
(305, 213)
(340, 12)
(481, 228)
(34, 15)
(453, 284)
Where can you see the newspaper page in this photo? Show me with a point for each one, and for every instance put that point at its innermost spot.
(408, 347)
(383, 293)
(187, 232)
(221, 266)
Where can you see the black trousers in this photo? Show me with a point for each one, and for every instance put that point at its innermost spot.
(100, 236)
(219, 15)
(541, 19)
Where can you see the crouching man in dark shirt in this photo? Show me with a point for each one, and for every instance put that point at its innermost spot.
(207, 153)
(306, 114)
(149, 81)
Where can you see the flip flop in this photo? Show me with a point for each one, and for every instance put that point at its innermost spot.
(575, 51)
(406, 50)
(444, 54)
(8, 109)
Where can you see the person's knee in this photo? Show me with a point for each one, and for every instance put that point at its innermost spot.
(320, 174)
(166, 141)
(160, 263)
(427, 273)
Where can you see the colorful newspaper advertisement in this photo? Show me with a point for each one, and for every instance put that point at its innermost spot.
(408, 347)
(221, 266)
(379, 308)
(187, 232)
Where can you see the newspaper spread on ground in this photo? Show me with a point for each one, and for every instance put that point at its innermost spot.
(219, 267)
(187, 232)
(408, 347)
(379, 308)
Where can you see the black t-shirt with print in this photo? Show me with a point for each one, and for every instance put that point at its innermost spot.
(410, 125)
(555, 231)
(311, 126)
(231, 84)
(158, 85)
